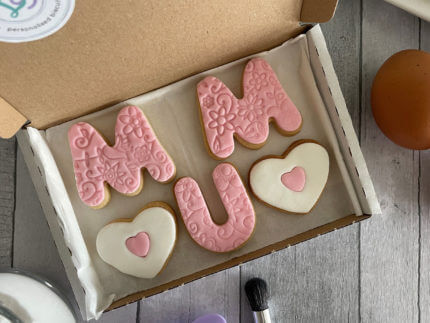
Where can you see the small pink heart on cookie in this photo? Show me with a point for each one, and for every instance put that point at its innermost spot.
(139, 244)
(295, 179)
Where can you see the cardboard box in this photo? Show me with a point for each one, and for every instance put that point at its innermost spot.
(93, 63)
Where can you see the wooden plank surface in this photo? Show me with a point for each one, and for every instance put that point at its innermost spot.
(218, 293)
(34, 248)
(376, 271)
(313, 281)
(319, 279)
(424, 264)
(389, 243)
(7, 199)
(125, 314)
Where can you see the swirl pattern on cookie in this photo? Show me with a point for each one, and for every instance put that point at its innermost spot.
(264, 100)
(96, 163)
(195, 213)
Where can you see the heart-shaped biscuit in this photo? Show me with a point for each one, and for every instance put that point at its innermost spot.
(294, 181)
(141, 246)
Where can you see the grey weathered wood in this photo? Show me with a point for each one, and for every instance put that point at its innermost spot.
(424, 270)
(279, 271)
(389, 243)
(318, 280)
(34, 248)
(315, 281)
(217, 293)
(7, 199)
(342, 35)
(125, 314)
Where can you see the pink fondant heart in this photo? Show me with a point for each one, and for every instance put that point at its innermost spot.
(139, 244)
(295, 179)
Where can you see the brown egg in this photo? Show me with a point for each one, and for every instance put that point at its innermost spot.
(401, 99)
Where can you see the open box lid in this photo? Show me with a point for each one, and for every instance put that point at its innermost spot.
(110, 51)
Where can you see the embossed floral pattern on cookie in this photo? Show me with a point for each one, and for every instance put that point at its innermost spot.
(264, 100)
(195, 213)
(136, 147)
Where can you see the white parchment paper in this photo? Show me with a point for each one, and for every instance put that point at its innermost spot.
(173, 114)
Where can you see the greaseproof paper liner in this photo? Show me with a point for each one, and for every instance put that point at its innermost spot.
(70, 227)
(173, 114)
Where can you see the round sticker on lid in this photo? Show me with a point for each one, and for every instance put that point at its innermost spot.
(27, 20)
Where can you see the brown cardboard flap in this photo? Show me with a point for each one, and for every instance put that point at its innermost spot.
(14, 121)
(110, 51)
(318, 10)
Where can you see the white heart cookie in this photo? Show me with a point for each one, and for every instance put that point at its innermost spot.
(142, 246)
(294, 181)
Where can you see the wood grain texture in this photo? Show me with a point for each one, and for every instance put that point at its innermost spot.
(125, 314)
(389, 243)
(217, 293)
(342, 35)
(34, 248)
(424, 270)
(314, 281)
(7, 199)
(318, 280)
(278, 270)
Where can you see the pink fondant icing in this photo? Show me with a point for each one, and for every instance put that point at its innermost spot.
(295, 179)
(136, 147)
(241, 216)
(264, 99)
(139, 244)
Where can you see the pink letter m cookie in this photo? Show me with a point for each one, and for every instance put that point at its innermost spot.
(136, 147)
